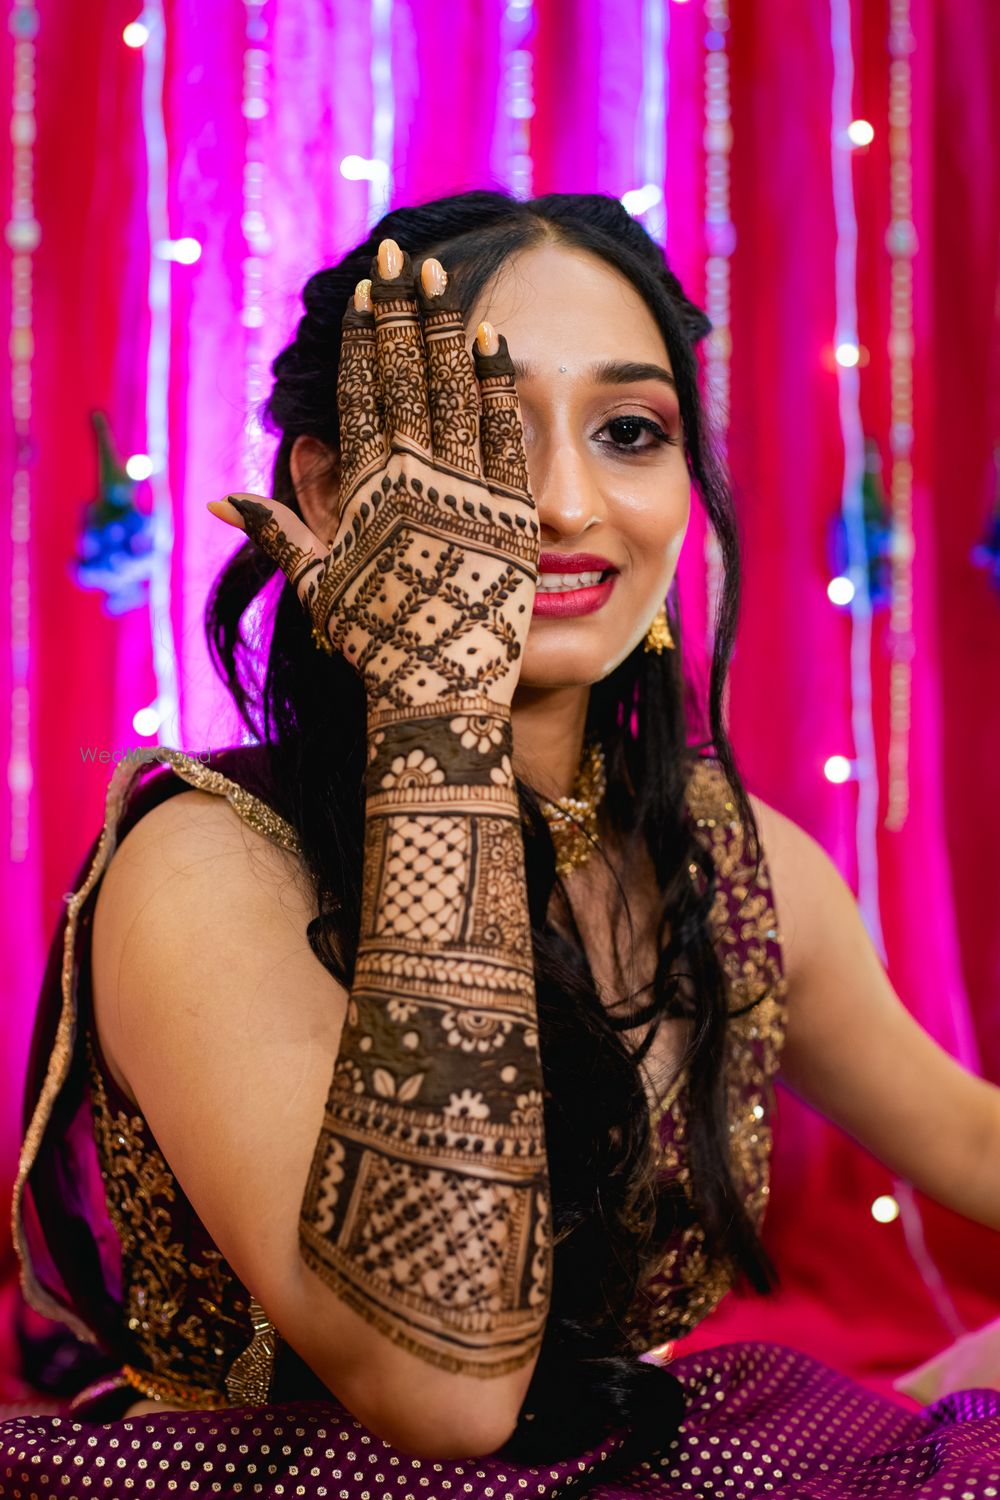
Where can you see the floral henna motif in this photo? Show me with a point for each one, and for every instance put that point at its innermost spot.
(402, 362)
(359, 404)
(452, 391)
(501, 438)
(427, 1203)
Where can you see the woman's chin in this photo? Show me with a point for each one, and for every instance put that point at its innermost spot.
(548, 665)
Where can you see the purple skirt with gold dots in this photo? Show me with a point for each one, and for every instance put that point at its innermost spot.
(760, 1420)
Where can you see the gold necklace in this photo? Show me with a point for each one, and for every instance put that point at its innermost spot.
(573, 820)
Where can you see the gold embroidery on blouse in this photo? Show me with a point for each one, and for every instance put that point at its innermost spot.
(61, 1056)
(177, 1392)
(260, 816)
(184, 1314)
(685, 1286)
(249, 1380)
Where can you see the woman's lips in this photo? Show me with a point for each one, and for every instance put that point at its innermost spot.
(574, 601)
(560, 604)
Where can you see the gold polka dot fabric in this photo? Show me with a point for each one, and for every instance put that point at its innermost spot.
(761, 1421)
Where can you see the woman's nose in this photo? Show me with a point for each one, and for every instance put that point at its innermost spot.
(564, 489)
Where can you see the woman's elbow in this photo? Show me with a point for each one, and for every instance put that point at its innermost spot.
(438, 1416)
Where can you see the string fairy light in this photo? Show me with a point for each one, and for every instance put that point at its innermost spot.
(648, 202)
(901, 243)
(23, 235)
(846, 365)
(720, 242)
(512, 143)
(383, 111)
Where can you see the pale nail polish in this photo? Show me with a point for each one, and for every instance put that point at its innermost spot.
(363, 296)
(390, 259)
(486, 339)
(433, 277)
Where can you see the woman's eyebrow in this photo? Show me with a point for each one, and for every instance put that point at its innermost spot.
(611, 372)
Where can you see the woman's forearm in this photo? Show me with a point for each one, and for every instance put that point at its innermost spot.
(426, 1207)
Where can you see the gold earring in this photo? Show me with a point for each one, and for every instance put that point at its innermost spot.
(658, 637)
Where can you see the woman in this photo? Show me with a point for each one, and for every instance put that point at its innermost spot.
(428, 1047)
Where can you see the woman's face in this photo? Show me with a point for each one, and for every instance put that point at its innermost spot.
(602, 431)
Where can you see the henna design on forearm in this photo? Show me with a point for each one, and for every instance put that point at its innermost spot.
(427, 1202)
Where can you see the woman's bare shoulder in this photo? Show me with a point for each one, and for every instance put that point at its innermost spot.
(198, 907)
(812, 901)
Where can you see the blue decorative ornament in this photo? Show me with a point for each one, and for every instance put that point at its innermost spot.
(986, 554)
(877, 531)
(115, 548)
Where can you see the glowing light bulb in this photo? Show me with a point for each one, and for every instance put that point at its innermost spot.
(186, 251)
(860, 133)
(837, 769)
(136, 34)
(139, 466)
(640, 200)
(840, 590)
(364, 169)
(146, 721)
(885, 1209)
(847, 355)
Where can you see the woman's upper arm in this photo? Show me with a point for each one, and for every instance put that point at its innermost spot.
(225, 1027)
(854, 1051)
(221, 1020)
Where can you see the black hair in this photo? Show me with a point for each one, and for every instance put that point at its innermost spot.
(308, 707)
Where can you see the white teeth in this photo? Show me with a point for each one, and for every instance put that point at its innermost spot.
(560, 583)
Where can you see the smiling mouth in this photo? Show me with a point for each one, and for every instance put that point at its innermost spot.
(557, 583)
(572, 583)
(571, 572)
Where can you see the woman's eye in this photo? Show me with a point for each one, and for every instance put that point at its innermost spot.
(636, 433)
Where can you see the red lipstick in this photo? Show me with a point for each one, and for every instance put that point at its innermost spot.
(565, 603)
(573, 562)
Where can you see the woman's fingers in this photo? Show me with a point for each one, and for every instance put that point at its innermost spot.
(501, 437)
(363, 447)
(282, 535)
(453, 393)
(402, 361)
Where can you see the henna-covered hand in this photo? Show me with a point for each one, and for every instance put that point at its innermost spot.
(427, 1203)
(428, 586)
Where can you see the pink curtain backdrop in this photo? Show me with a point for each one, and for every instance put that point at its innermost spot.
(581, 95)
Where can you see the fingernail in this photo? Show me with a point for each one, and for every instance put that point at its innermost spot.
(390, 259)
(363, 296)
(486, 339)
(226, 511)
(433, 277)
